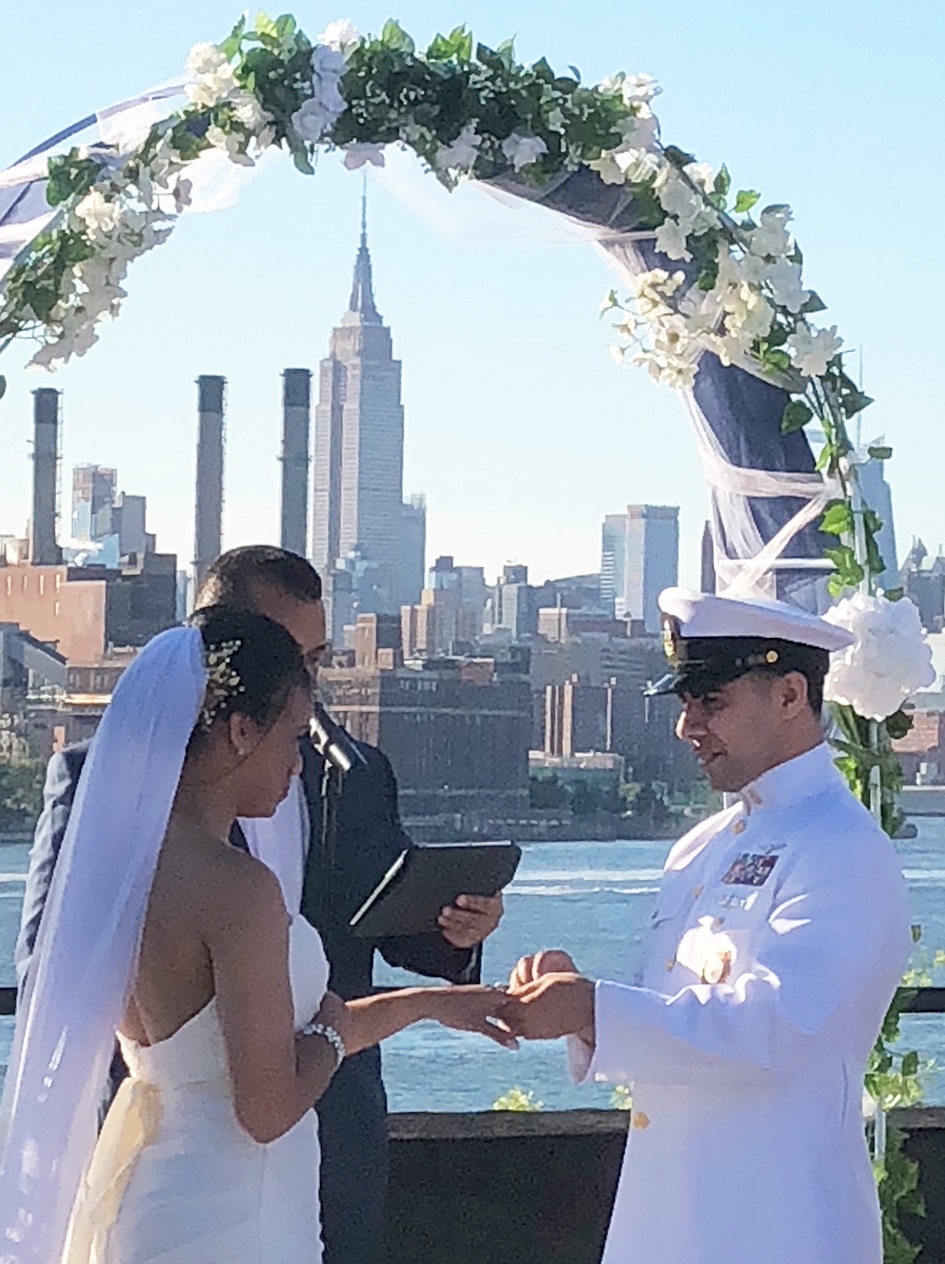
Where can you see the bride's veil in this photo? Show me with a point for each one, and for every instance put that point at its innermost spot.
(87, 947)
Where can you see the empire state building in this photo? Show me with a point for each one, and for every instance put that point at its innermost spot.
(363, 533)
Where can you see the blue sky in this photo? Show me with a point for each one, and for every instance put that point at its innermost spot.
(520, 429)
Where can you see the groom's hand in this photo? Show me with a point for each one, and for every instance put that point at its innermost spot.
(551, 1006)
(528, 969)
(471, 919)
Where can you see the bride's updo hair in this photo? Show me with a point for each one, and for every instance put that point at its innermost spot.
(253, 665)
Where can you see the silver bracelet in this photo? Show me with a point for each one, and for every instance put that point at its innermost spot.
(329, 1033)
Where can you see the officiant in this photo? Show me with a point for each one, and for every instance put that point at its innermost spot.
(330, 843)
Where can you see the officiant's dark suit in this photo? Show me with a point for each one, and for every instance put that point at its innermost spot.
(340, 873)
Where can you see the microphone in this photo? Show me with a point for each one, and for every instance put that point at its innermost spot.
(332, 742)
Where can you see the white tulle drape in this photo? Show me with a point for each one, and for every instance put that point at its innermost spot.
(86, 951)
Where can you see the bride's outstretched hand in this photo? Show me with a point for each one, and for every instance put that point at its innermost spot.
(472, 1008)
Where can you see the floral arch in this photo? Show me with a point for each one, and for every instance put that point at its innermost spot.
(717, 306)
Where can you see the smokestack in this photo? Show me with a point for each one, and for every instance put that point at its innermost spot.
(209, 518)
(296, 426)
(44, 551)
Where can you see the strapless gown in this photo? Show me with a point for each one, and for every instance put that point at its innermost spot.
(175, 1179)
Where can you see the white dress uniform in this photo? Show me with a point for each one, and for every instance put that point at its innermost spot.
(780, 935)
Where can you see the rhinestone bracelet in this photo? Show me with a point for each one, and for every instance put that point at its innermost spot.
(329, 1033)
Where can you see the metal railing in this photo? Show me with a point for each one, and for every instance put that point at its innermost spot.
(926, 1000)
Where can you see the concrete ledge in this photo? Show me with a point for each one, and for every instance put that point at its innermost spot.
(511, 1187)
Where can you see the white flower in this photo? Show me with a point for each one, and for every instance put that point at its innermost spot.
(231, 143)
(771, 237)
(317, 114)
(784, 278)
(813, 350)
(617, 166)
(887, 663)
(461, 153)
(523, 151)
(636, 90)
(341, 35)
(701, 174)
(642, 132)
(204, 59)
(99, 215)
(555, 119)
(671, 239)
(214, 80)
(182, 198)
(310, 121)
(675, 195)
(249, 112)
(357, 155)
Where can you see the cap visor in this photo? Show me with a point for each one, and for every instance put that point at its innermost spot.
(666, 684)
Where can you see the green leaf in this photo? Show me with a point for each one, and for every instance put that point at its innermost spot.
(814, 304)
(745, 199)
(910, 1063)
(266, 26)
(796, 416)
(723, 181)
(678, 157)
(234, 41)
(880, 453)
(898, 724)
(894, 594)
(285, 26)
(3, 386)
(838, 520)
(394, 36)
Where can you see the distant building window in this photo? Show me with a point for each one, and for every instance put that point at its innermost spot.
(56, 609)
(42, 585)
(9, 585)
(58, 582)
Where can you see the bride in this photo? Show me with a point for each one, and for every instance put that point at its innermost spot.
(157, 927)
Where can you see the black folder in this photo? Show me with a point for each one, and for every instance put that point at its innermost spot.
(422, 881)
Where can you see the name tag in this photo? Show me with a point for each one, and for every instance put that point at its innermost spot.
(750, 871)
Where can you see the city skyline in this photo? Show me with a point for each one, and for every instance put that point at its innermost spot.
(521, 431)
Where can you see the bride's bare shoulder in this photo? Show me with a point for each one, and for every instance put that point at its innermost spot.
(245, 887)
(223, 885)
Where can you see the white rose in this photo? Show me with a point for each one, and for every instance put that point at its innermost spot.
(522, 151)
(887, 663)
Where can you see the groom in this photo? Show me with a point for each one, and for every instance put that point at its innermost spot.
(327, 879)
(778, 939)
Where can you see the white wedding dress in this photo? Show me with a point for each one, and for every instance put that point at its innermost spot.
(175, 1179)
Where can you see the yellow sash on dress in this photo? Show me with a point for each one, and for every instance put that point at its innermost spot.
(129, 1126)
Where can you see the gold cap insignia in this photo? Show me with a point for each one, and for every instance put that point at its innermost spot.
(670, 636)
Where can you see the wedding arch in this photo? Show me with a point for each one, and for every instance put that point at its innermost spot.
(716, 304)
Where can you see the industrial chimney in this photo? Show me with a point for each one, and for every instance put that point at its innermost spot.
(44, 551)
(209, 517)
(296, 426)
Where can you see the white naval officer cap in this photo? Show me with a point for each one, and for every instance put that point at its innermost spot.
(710, 641)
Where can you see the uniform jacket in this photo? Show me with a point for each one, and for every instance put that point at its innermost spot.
(779, 937)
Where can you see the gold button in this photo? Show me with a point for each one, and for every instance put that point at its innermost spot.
(697, 891)
(670, 964)
(640, 1120)
(738, 827)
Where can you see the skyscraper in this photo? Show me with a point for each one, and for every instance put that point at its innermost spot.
(93, 489)
(613, 557)
(639, 558)
(358, 502)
